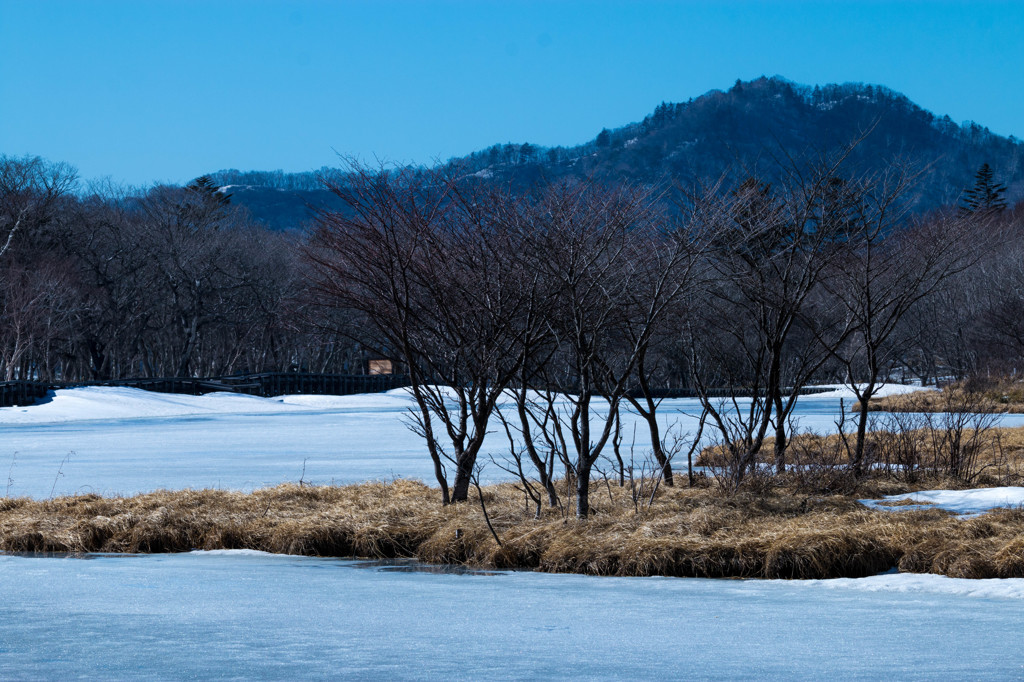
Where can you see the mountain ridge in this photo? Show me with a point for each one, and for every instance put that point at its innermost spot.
(733, 132)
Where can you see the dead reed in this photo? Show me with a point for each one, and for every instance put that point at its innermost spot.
(686, 532)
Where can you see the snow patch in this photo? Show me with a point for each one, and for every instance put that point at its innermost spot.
(240, 553)
(966, 502)
(884, 390)
(926, 583)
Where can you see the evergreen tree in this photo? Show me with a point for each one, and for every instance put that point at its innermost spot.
(987, 196)
(205, 187)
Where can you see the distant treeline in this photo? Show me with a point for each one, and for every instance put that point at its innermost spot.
(175, 281)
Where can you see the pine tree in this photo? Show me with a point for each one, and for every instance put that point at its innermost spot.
(205, 187)
(987, 196)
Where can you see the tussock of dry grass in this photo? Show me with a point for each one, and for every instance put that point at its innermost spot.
(688, 532)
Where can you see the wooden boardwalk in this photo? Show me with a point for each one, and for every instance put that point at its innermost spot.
(264, 384)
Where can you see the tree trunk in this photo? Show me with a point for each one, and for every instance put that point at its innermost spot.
(549, 485)
(190, 342)
(781, 441)
(659, 454)
(780, 449)
(583, 492)
(862, 427)
(531, 449)
(463, 478)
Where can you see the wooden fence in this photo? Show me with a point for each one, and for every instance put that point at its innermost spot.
(266, 384)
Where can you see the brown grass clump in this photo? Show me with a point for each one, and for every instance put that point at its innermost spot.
(687, 531)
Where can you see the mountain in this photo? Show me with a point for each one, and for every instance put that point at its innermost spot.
(734, 132)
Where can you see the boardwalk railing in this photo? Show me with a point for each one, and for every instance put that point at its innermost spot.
(268, 384)
(264, 384)
(21, 392)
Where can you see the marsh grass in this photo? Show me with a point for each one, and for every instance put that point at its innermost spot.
(686, 532)
(902, 447)
(993, 395)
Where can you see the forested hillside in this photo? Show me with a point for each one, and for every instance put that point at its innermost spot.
(739, 132)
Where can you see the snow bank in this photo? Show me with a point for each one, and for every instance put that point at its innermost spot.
(114, 402)
(89, 403)
(926, 583)
(846, 393)
(397, 399)
(238, 553)
(972, 502)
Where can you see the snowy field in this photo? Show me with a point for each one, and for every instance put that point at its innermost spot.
(124, 440)
(245, 615)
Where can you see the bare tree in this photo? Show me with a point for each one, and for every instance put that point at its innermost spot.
(429, 267)
(194, 247)
(612, 270)
(674, 268)
(888, 268)
(772, 245)
(30, 189)
(37, 307)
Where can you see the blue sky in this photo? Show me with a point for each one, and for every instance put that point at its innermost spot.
(148, 91)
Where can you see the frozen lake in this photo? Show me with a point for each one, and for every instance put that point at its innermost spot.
(239, 615)
(124, 441)
(245, 615)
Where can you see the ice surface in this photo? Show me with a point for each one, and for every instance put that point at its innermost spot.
(124, 440)
(232, 615)
(976, 501)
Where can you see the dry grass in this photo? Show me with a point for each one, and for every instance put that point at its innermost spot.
(906, 502)
(999, 459)
(687, 532)
(1004, 395)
